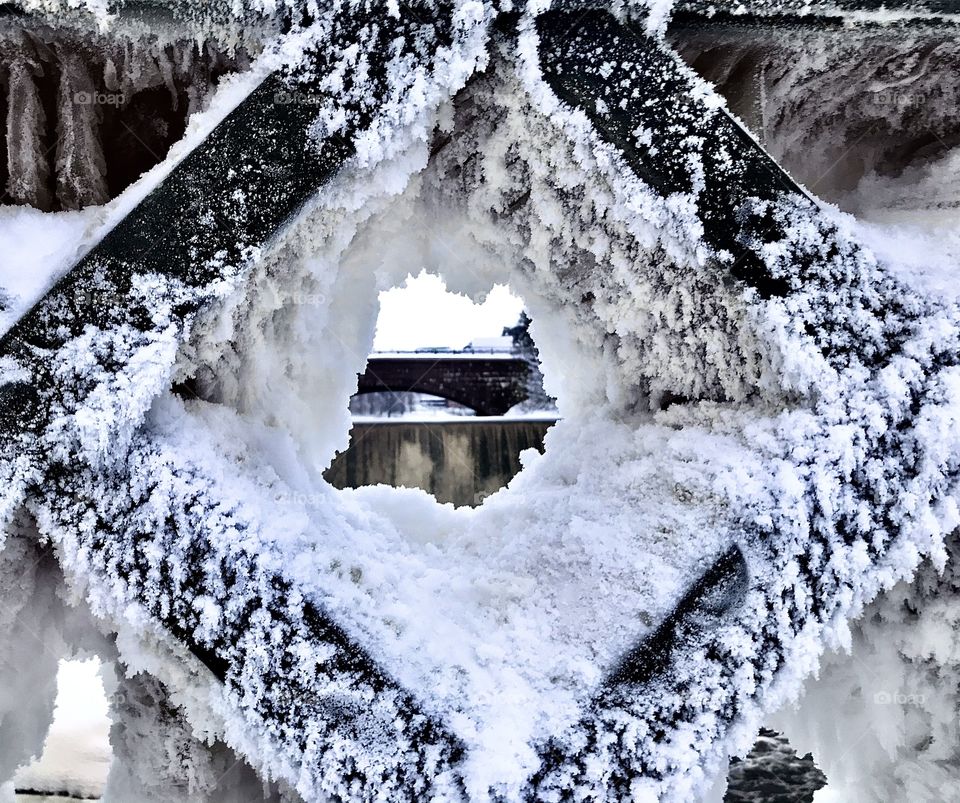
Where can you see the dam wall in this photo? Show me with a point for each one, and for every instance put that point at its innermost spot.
(459, 461)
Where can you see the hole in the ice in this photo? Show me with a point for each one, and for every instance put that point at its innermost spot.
(773, 771)
(76, 755)
(450, 397)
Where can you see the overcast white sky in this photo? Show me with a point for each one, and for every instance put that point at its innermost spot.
(422, 313)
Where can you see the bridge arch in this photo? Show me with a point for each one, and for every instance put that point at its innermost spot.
(488, 383)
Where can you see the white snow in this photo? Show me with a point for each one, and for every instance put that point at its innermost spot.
(36, 248)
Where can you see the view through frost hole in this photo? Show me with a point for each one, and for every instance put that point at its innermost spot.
(451, 395)
(76, 753)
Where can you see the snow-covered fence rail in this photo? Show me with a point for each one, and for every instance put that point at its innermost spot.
(644, 101)
(840, 394)
(199, 228)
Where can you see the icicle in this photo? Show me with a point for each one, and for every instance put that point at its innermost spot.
(186, 53)
(198, 82)
(110, 79)
(81, 168)
(148, 72)
(27, 158)
(165, 65)
(31, 648)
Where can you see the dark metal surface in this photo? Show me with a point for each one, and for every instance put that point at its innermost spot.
(681, 131)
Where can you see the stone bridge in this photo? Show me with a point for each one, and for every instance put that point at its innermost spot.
(488, 382)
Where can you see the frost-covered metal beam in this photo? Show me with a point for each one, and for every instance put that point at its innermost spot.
(212, 215)
(642, 99)
(206, 221)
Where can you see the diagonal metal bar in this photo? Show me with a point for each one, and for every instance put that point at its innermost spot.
(643, 100)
